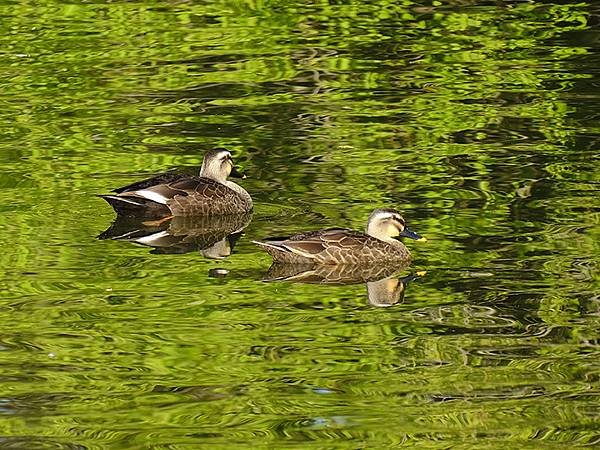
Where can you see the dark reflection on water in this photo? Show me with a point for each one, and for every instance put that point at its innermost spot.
(213, 237)
(384, 288)
(478, 120)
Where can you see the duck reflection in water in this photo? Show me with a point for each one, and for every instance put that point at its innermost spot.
(383, 287)
(212, 236)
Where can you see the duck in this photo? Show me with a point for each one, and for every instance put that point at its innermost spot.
(379, 244)
(174, 194)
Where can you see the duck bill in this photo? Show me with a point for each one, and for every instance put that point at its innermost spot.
(236, 174)
(411, 234)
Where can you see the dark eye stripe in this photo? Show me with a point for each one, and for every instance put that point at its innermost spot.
(400, 221)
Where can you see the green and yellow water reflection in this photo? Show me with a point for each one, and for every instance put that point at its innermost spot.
(477, 119)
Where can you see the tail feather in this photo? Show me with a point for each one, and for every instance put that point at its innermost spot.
(270, 246)
(135, 206)
(281, 253)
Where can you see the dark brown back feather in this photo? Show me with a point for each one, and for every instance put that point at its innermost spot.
(163, 178)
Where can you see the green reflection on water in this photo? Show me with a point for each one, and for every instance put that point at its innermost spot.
(478, 121)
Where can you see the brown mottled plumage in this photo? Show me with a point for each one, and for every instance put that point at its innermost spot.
(180, 195)
(343, 246)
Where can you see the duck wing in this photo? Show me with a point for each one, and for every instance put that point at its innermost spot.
(163, 178)
(313, 243)
(199, 187)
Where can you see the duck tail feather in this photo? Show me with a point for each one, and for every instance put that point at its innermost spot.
(270, 245)
(133, 206)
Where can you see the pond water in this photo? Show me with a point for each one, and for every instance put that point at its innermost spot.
(477, 119)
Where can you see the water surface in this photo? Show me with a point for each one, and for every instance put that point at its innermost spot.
(478, 120)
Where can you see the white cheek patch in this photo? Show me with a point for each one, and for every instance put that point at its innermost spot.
(392, 230)
(151, 195)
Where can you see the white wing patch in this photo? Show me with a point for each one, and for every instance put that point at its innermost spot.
(283, 248)
(151, 195)
(123, 199)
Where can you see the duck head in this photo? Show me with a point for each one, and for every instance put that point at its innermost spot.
(387, 224)
(218, 165)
